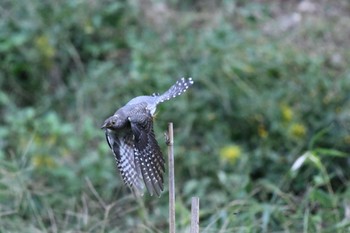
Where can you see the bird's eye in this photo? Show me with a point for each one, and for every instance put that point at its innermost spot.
(113, 122)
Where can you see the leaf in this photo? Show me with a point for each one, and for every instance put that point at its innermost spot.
(314, 159)
(330, 152)
(321, 197)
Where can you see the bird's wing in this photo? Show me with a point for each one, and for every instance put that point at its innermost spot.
(147, 151)
(123, 150)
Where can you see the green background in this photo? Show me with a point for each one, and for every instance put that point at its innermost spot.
(262, 138)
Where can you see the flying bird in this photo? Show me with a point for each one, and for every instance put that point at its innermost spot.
(129, 134)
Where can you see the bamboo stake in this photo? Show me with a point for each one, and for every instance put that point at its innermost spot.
(170, 142)
(195, 215)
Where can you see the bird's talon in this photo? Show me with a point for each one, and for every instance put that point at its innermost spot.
(167, 138)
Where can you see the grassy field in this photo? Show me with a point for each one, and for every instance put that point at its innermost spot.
(262, 138)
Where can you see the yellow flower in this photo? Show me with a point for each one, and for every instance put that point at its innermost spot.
(297, 130)
(88, 28)
(45, 48)
(347, 139)
(42, 161)
(52, 140)
(230, 153)
(287, 113)
(262, 131)
(65, 152)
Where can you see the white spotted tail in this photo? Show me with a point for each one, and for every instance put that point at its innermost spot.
(177, 89)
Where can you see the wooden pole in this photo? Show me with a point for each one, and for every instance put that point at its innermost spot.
(170, 142)
(195, 215)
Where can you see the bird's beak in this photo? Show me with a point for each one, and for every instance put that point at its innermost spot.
(105, 124)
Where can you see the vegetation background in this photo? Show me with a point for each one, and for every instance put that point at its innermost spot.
(263, 137)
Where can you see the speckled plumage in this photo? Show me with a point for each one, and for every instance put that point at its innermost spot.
(129, 133)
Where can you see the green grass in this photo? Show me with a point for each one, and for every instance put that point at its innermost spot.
(262, 138)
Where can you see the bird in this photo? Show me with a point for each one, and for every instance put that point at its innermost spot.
(130, 135)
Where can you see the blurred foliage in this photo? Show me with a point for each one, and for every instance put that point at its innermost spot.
(262, 138)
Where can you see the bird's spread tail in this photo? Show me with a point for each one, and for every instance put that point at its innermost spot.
(177, 89)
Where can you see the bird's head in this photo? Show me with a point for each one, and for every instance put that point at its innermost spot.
(112, 122)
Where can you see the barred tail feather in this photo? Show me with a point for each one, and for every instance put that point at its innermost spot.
(177, 89)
